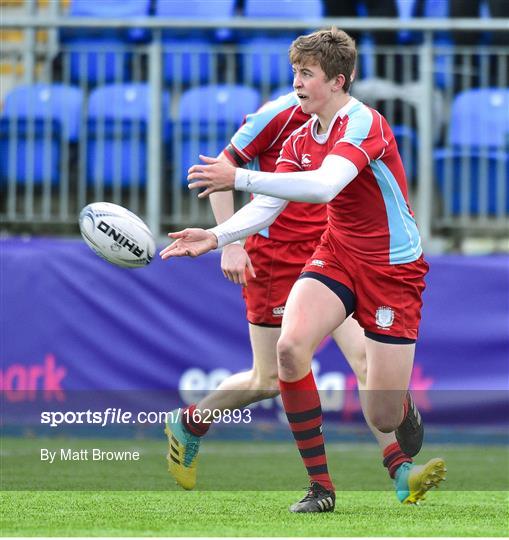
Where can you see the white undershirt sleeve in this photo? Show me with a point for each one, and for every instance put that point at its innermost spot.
(250, 219)
(318, 186)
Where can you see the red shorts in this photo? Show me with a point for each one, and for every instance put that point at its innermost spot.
(277, 266)
(388, 297)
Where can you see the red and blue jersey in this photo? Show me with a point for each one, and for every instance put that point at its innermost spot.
(371, 216)
(258, 143)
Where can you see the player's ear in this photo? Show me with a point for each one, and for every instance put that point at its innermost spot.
(339, 82)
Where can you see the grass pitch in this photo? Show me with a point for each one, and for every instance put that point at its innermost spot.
(366, 504)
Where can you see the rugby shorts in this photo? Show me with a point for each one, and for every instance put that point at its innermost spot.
(388, 298)
(277, 266)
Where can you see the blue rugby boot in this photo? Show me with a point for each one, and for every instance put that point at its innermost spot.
(182, 452)
(412, 482)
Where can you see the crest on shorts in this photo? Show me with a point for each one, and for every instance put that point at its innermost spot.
(317, 262)
(278, 311)
(384, 317)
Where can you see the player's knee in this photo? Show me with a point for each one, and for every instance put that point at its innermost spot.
(289, 350)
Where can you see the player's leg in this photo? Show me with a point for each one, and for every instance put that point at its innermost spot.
(389, 408)
(388, 377)
(237, 391)
(313, 311)
(260, 382)
(350, 339)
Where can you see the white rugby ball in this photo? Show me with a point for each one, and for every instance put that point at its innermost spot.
(117, 235)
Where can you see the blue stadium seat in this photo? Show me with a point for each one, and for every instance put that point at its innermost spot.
(38, 120)
(480, 117)
(265, 57)
(265, 61)
(187, 57)
(117, 134)
(285, 9)
(477, 159)
(187, 61)
(113, 9)
(208, 116)
(477, 180)
(195, 9)
(101, 56)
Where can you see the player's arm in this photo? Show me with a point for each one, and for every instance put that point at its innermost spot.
(318, 186)
(250, 219)
(235, 261)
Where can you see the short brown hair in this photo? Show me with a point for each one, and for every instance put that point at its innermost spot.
(333, 49)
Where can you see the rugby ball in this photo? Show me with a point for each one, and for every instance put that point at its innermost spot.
(117, 235)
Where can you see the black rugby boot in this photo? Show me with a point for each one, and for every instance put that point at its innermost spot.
(317, 499)
(410, 433)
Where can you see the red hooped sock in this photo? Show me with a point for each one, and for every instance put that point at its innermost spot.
(304, 412)
(193, 421)
(394, 457)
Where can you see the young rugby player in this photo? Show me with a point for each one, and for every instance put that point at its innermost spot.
(369, 261)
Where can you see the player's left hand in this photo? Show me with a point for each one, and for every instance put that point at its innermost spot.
(189, 243)
(235, 264)
(213, 175)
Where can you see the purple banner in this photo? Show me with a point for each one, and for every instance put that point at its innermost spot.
(71, 321)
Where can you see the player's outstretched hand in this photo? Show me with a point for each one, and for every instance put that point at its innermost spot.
(213, 175)
(189, 243)
(235, 263)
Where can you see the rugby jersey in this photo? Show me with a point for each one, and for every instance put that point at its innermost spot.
(371, 216)
(257, 144)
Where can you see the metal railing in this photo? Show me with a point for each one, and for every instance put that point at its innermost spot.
(140, 161)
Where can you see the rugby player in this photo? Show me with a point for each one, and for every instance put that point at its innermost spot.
(369, 263)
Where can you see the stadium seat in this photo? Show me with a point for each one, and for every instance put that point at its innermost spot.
(188, 61)
(265, 57)
(195, 9)
(113, 9)
(187, 54)
(480, 117)
(472, 182)
(118, 118)
(208, 117)
(102, 56)
(38, 120)
(473, 172)
(284, 9)
(265, 61)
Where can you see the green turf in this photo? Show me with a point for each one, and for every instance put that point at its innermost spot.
(221, 508)
(244, 513)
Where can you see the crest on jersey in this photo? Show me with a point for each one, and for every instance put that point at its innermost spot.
(305, 161)
(384, 317)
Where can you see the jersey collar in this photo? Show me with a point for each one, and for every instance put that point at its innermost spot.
(345, 109)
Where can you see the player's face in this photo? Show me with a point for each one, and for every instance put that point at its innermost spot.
(311, 87)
